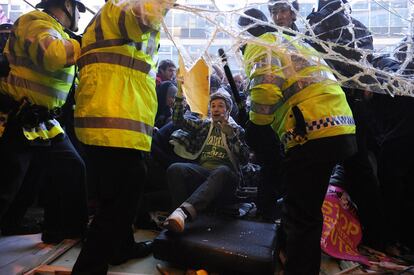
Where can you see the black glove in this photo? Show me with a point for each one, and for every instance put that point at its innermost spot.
(78, 38)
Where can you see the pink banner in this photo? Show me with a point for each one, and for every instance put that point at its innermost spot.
(341, 233)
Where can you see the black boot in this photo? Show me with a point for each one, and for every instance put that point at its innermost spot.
(138, 250)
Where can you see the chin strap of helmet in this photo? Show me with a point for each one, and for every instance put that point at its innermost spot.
(69, 15)
(65, 10)
(68, 31)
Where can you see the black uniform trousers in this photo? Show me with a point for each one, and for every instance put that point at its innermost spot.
(56, 168)
(396, 173)
(267, 148)
(120, 175)
(395, 116)
(306, 171)
(361, 182)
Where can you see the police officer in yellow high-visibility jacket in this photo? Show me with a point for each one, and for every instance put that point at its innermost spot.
(42, 58)
(295, 92)
(115, 111)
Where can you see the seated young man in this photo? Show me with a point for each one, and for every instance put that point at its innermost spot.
(217, 144)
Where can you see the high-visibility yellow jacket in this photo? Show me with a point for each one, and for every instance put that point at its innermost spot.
(288, 74)
(116, 102)
(42, 58)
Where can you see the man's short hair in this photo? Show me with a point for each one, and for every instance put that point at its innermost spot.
(220, 94)
(165, 64)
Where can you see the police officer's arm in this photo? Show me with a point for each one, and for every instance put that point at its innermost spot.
(263, 69)
(47, 48)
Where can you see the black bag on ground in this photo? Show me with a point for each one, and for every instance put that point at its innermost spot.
(222, 244)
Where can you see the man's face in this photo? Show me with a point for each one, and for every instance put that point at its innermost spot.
(168, 74)
(218, 109)
(171, 92)
(283, 16)
(238, 80)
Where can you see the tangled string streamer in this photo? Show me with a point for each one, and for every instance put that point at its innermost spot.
(341, 40)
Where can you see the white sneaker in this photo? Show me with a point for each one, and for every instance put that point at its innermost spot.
(176, 221)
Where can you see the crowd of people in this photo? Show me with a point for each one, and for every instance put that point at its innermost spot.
(87, 126)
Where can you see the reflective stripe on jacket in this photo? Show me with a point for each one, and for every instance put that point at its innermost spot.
(116, 102)
(42, 58)
(288, 73)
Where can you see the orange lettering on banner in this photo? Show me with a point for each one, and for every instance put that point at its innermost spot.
(341, 230)
(327, 231)
(341, 245)
(345, 222)
(350, 251)
(329, 220)
(327, 208)
(352, 229)
(334, 236)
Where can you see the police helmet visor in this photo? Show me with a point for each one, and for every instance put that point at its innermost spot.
(81, 6)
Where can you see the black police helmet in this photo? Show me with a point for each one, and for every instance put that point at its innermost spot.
(257, 29)
(47, 3)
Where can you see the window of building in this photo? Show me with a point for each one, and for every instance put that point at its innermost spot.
(5, 8)
(379, 18)
(399, 19)
(399, 4)
(360, 5)
(305, 9)
(181, 19)
(361, 16)
(15, 11)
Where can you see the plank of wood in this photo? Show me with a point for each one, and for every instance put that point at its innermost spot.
(47, 253)
(374, 273)
(348, 270)
(21, 253)
(52, 269)
(61, 270)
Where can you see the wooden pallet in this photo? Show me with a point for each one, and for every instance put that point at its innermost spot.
(21, 254)
(61, 270)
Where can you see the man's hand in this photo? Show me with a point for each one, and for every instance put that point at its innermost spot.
(223, 124)
(151, 12)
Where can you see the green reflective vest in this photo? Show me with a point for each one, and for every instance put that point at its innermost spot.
(42, 58)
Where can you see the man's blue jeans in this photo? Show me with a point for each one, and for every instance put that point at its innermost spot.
(199, 186)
